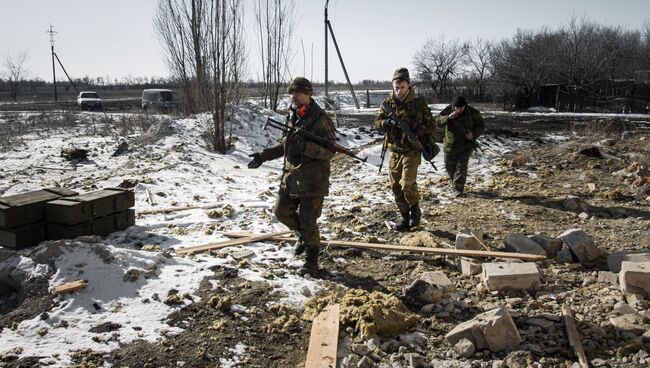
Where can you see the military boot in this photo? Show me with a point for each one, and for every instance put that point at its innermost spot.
(416, 214)
(300, 245)
(404, 225)
(311, 262)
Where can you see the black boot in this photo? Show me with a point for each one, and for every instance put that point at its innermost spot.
(311, 262)
(404, 225)
(415, 215)
(300, 245)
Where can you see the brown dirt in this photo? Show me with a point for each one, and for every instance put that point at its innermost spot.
(275, 338)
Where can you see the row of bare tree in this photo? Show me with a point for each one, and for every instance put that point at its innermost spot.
(579, 54)
(203, 43)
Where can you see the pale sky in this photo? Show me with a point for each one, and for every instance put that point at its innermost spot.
(116, 38)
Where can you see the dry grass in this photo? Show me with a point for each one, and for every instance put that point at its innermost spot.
(16, 128)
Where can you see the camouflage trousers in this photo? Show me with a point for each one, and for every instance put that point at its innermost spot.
(300, 214)
(456, 166)
(403, 179)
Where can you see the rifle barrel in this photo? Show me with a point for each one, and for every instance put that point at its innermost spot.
(316, 138)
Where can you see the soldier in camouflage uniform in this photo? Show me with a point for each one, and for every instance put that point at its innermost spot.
(404, 158)
(463, 124)
(305, 174)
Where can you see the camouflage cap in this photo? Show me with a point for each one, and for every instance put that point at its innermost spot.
(403, 74)
(300, 84)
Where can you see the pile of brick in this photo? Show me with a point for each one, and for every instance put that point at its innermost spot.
(26, 219)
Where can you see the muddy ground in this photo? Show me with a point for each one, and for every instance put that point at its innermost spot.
(525, 196)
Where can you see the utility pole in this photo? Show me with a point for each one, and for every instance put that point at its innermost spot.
(328, 27)
(326, 21)
(51, 33)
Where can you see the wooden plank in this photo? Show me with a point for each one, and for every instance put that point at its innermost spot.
(323, 342)
(54, 168)
(230, 243)
(401, 248)
(574, 336)
(177, 209)
(69, 287)
(168, 210)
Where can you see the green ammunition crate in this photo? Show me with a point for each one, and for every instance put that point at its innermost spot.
(26, 208)
(86, 207)
(100, 226)
(23, 237)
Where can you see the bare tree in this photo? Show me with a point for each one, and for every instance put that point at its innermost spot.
(438, 61)
(527, 61)
(275, 21)
(15, 70)
(205, 51)
(479, 57)
(172, 34)
(586, 56)
(226, 59)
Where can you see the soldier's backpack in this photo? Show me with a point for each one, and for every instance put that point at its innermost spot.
(427, 137)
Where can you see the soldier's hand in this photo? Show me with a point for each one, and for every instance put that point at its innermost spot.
(389, 123)
(454, 114)
(469, 135)
(256, 162)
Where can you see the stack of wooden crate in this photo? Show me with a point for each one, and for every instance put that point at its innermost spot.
(27, 219)
(22, 216)
(97, 213)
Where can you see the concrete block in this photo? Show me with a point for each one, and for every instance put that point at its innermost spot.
(437, 278)
(511, 276)
(582, 246)
(430, 287)
(494, 330)
(634, 278)
(614, 260)
(631, 323)
(607, 277)
(469, 266)
(466, 241)
(522, 244)
(549, 244)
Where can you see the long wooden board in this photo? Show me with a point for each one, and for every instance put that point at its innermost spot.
(229, 243)
(402, 248)
(69, 287)
(574, 336)
(323, 342)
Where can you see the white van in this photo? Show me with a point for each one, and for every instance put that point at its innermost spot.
(159, 99)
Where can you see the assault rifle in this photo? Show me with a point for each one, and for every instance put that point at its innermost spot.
(410, 135)
(327, 143)
(384, 148)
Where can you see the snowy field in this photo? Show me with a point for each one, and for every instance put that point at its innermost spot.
(127, 285)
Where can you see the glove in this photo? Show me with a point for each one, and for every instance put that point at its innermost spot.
(389, 124)
(256, 162)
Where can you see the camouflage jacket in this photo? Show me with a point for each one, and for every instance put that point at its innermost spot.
(306, 169)
(455, 142)
(415, 112)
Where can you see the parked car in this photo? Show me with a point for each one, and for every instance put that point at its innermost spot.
(159, 99)
(89, 100)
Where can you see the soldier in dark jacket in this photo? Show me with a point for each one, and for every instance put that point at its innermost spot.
(404, 157)
(305, 175)
(463, 124)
